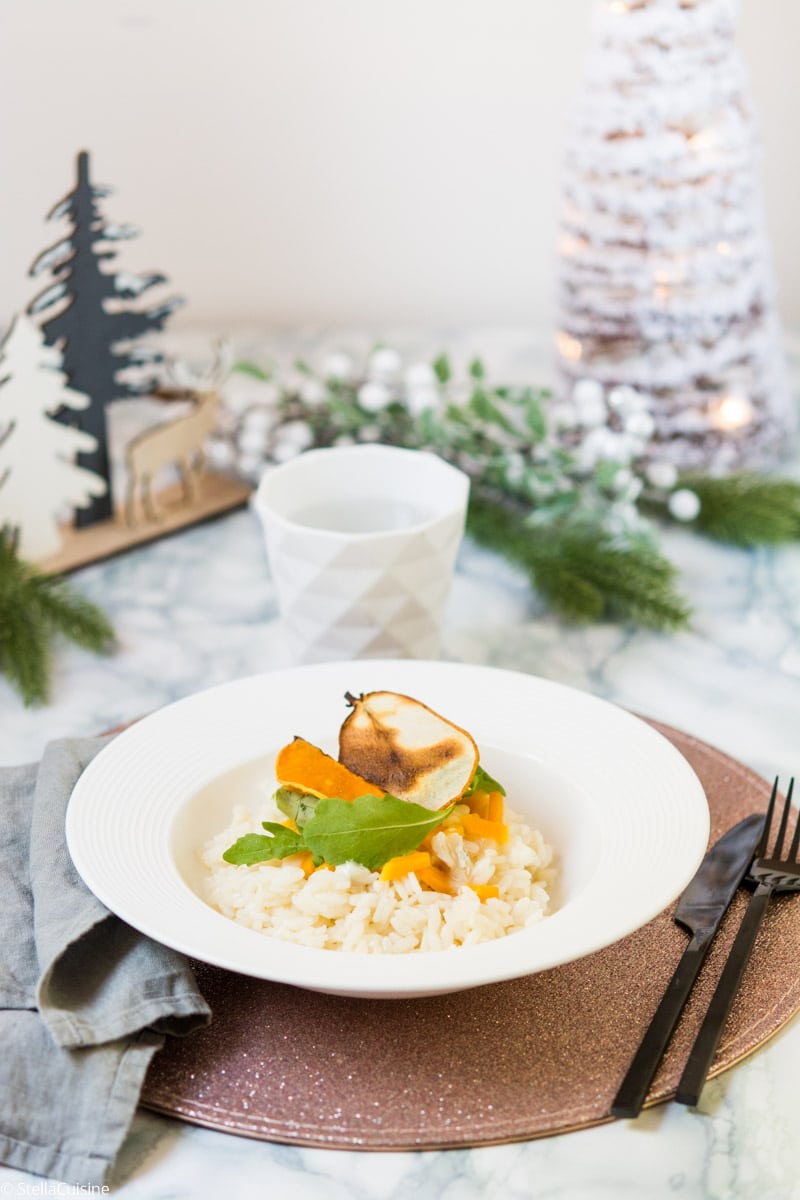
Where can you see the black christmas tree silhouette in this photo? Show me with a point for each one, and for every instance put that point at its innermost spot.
(93, 322)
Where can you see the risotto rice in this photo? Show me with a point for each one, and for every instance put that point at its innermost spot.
(351, 908)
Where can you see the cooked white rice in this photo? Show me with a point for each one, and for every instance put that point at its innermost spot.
(351, 908)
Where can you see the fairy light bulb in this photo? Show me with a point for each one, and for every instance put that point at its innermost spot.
(704, 139)
(570, 246)
(730, 412)
(568, 347)
(671, 270)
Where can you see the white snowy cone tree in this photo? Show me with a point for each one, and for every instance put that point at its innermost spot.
(37, 475)
(664, 280)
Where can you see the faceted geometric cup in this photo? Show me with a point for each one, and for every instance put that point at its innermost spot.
(362, 542)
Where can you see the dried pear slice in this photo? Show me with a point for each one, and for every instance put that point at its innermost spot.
(407, 748)
(306, 768)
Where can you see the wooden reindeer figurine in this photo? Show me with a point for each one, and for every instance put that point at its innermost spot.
(178, 443)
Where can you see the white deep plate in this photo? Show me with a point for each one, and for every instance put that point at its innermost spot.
(623, 809)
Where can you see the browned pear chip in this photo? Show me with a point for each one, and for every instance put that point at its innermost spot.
(407, 749)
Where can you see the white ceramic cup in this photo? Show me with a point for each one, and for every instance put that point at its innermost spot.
(362, 542)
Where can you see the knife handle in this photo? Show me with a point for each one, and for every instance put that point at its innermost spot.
(699, 1061)
(630, 1097)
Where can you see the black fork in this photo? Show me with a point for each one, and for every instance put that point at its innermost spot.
(771, 873)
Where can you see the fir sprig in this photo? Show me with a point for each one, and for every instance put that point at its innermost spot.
(35, 609)
(581, 570)
(747, 509)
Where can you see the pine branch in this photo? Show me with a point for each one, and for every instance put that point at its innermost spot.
(35, 609)
(580, 569)
(71, 614)
(25, 649)
(747, 509)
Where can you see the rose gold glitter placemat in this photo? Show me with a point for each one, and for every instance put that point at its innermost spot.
(509, 1061)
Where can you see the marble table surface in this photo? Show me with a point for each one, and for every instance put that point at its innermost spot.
(199, 609)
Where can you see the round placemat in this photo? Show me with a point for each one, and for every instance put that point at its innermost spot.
(518, 1060)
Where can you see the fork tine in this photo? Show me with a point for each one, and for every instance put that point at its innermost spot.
(776, 853)
(761, 848)
(792, 855)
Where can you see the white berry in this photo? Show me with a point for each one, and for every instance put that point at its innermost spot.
(422, 398)
(252, 441)
(662, 474)
(338, 366)
(587, 396)
(420, 374)
(684, 504)
(587, 391)
(639, 424)
(384, 364)
(374, 396)
(312, 392)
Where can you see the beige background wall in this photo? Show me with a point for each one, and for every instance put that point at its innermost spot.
(332, 161)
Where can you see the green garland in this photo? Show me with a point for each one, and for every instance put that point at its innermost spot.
(34, 609)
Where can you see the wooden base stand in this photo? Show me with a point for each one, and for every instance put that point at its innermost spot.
(216, 495)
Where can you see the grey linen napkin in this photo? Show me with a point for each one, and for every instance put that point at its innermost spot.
(85, 1001)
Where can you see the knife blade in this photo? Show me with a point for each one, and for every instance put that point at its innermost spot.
(700, 910)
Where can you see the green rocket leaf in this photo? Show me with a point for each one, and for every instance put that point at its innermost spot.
(484, 782)
(256, 848)
(369, 830)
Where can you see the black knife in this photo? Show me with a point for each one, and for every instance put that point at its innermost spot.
(700, 910)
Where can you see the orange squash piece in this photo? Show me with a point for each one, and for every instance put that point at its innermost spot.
(497, 807)
(306, 768)
(485, 891)
(404, 864)
(479, 827)
(478, 802)
(437, 880)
